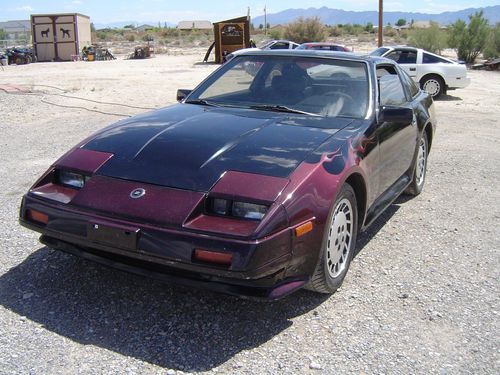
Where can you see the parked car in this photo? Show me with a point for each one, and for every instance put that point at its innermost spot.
(435, 74)
(323, 46)
(253, 185)
(279, 44)
(270, 45)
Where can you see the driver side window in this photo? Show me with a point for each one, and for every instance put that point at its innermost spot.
(403, 57)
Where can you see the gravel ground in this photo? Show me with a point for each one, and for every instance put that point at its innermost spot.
(422, 295)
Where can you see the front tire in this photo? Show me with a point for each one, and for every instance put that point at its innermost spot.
(418, 181)
(433, 85)
(339, 243)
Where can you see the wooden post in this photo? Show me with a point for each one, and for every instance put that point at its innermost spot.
(380, 22)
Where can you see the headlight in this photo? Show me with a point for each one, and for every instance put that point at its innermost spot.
(72, 179)
(249, 210)
(244, 210)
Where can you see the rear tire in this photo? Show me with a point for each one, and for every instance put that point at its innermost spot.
(433, 85)
(339, 243)
(418, 181)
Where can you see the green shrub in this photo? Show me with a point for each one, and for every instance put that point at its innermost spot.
(432, 39)
(130, 37)
(275, 33)
(305, 30)
(390, 31)
(492, 48)
(469, 40)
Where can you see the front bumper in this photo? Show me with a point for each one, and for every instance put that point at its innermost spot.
(259, 267)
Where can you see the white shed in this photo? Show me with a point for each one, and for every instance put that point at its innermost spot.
(57, 37)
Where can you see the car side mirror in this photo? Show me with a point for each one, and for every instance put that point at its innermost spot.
(182, 94)
(395, 114)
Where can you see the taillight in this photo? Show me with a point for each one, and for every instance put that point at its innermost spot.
(37, 216)
(214, 257)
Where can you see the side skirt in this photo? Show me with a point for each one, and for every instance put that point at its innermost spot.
(386, 199)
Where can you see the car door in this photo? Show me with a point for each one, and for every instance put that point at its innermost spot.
(397, 139)
(406, 59)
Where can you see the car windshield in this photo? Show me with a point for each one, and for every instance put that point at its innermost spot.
(307, 85)
(379, 51)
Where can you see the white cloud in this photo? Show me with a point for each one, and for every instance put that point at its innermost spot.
(25, 8)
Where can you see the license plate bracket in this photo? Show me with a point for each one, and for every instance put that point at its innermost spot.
(115, 235)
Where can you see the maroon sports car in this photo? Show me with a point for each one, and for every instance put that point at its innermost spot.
(255, 184)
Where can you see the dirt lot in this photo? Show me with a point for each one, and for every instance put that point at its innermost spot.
(422, 295)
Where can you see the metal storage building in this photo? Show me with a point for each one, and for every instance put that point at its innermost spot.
(57, 37)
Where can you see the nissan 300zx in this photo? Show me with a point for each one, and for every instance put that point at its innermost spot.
(255, 184)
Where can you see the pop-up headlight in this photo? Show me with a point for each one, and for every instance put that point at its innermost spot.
(249, 210)
(71, 179)
(244, 210)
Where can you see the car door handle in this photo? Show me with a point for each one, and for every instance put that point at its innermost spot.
(413, 69)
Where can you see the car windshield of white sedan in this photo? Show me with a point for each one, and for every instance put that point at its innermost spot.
(303, 85)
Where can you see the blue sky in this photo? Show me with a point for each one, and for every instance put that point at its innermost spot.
(107, 11)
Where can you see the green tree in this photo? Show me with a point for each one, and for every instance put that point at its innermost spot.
(492, 49)
(401, 22)
(369, 27)
(261, 26)
(275, 33)
(431, 39)
(305, 30)
(3, 34)
(469, 40)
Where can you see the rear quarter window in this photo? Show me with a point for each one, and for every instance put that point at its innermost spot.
(431, 59)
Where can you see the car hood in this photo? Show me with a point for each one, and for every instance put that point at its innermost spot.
(190, 146)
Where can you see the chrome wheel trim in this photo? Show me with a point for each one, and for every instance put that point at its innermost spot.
(432, 87)
(421, 162)
(339, 241)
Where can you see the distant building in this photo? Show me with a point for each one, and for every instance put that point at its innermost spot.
(198, 25)
(17, 30)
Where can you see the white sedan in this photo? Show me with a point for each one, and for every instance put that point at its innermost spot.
(434, 73)
(272, 44)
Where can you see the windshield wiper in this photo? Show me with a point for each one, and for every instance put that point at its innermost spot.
(281, 108)
(202, 102)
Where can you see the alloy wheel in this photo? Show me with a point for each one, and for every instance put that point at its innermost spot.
(339, 241)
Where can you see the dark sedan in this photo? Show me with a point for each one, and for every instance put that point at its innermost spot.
(255, 184)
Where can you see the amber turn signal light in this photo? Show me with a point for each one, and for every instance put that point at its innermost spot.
(304, 228)
(223, 259)
(37, 216)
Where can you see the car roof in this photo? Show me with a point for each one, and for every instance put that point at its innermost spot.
(322, 44)
(318, 53)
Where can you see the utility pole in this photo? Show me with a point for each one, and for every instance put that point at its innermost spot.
(380, 22)
(265, 20)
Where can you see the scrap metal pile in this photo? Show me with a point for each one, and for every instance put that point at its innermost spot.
(96, 53)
